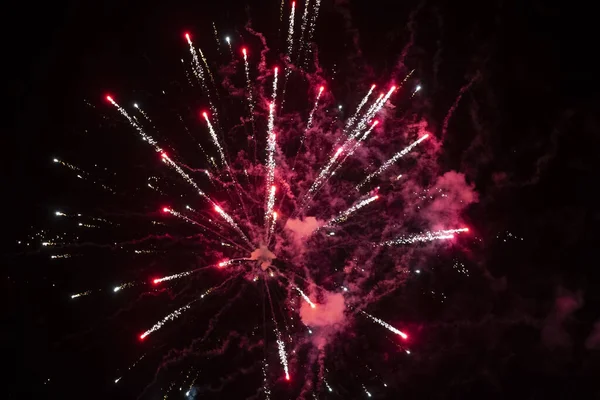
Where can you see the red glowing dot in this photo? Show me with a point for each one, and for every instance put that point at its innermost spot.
(275, 214)
(321, 88)
(187, 36)
(204, 114)
(375, 122)
(393, 87)
(218, 209)
(109, 98)
(466, 229)
(244, 50)
(163, 155)
(142, 336)
(372, 86)
(376, 197)
(276, 69)
(166, 209)
(313, 306)
(287, 377)
(273, 188)
(156, 281)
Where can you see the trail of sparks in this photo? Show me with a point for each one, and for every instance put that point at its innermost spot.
(374, 109)
(387, 326)
(290, 38)
(86, 293)
(362, 103)
(272, 226)
(248, 85)
(185, 176)
(202, 226)
(143, 134)
(226, 263)
(303, 28)
(392, 160)
(123, 286)
(308, 124)
(231, 222)
(283, 355)
(199, 73)
(323, 174)
(424, 237)
(170, 317)
(305, 297)
(270, 195)
(215, 140)
(280, 344)
(345, 214)
(311, 30)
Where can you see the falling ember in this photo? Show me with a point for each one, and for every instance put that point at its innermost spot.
(305, 297)
(174, 315)
(424, 237)
(386, 325)
(283, 356)
(86, 293)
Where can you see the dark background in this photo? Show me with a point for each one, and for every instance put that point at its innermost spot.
(526, 134)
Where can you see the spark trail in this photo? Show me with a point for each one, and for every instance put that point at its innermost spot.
(170, 317)
(392, 160)
(424, 237)
(387, 326)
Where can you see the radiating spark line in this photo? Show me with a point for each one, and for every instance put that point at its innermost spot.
(362, 103)
(170, 317)
(123, 286)
(215, 140)
(269, 210)
(280, 344)
(303, 28)
(345, 214)
(248, 86)
(231, 222)
(387, 326)
(305, 297)
(392, 160)
(143, 134)
(199, 73)
(185, 176)
(272, 226)
(424, 237)
(290, 38)
(86, 293)
(311, 30)
(271, 144)
(308, 124)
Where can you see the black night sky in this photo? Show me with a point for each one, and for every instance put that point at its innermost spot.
(523, 322)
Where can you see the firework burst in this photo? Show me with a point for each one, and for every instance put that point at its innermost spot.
(289, 209)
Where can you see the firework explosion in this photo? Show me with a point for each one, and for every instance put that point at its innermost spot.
(313, 215)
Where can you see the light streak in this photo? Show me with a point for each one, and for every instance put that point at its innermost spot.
(170, 317)
(362, 103)
(343, 216)
(424, 237)
(305, 297)
(147, 138)
(387, 326)
(215, 140)
(392, 160)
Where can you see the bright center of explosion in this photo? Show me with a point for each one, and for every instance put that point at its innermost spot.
(263, 257)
